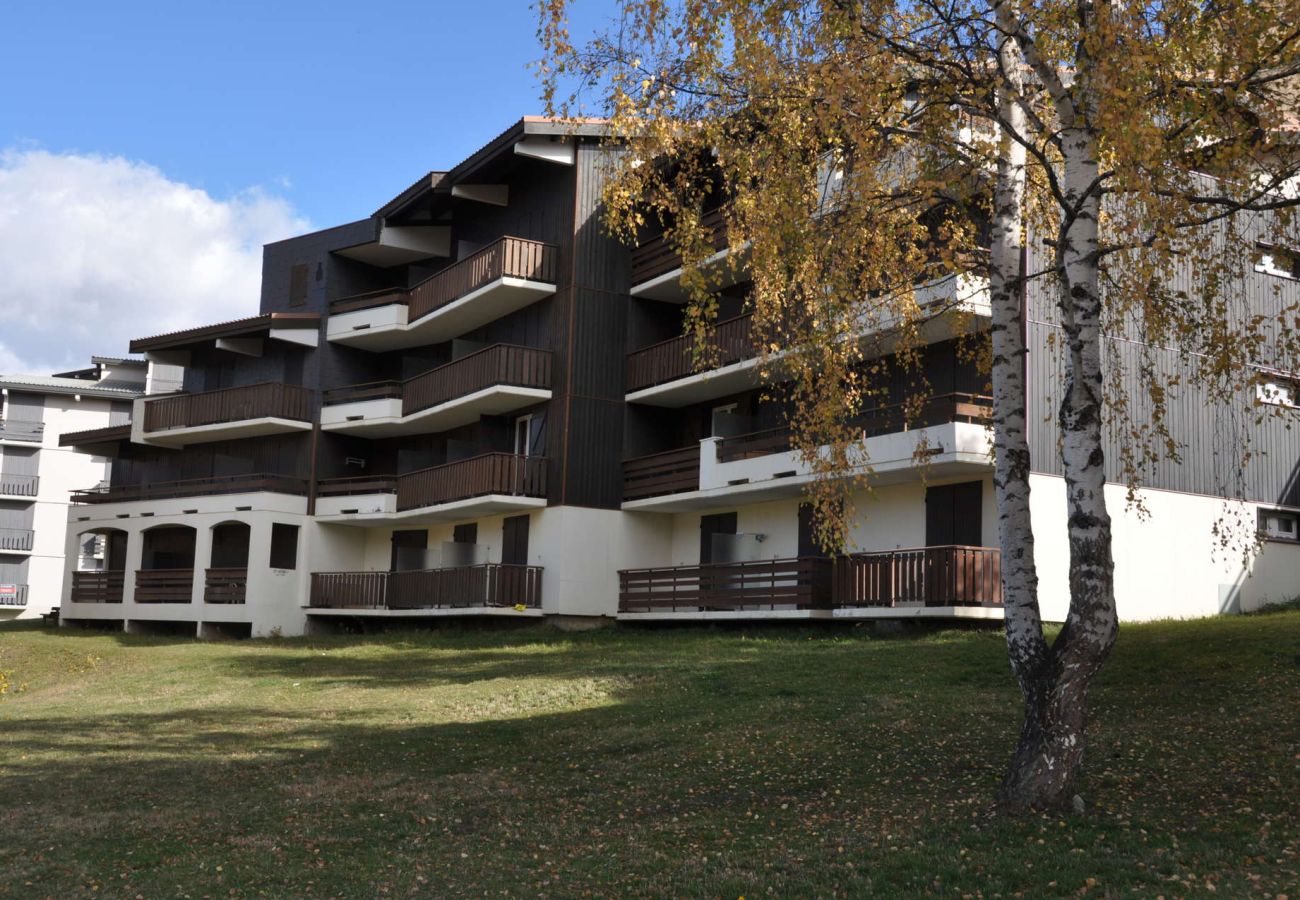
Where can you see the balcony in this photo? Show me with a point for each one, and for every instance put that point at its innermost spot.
(799, 583)
(948, 436)
(491, 587)
(481, 485)
(499, 379)
(164, 585)
(504, 276)
(227, 586)
(657, 266)
(21, 486)
(666, 374)
(241, 412)
(98, 587)
(941, 582)
(95, 439)
(662, 473)
(926, 577)
(22, 432)
(16, 540)
(194, 487)
(13, 596)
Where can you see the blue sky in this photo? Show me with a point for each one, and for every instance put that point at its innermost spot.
(333, 105)
(148, 149)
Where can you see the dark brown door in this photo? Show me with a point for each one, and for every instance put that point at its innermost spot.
(953, 514)
(718, 523)
(408, 550)
(514, 541)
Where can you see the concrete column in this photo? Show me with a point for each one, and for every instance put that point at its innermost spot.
(202, 560)
(134, 559)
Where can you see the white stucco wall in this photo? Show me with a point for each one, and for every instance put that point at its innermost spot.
(1169, 565)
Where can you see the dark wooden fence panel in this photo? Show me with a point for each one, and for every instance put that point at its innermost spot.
(98, 587)
(164, 585)
(926, 576)
(220, 484)
(662, 473)
(16, 538)
(508, 257)
(228, 585)
(19, 485)
(456, 587)
(490, 473)
(657, 256)
(255, 401)
(730, 340)
(801, 582)
(498, 364)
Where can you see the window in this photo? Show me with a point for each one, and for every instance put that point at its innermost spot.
(284, 546)
(524, 436)
(1276, 525)
(1277, 391)
(466, 533)
(1277, 261)
(953, 514)
(298, 285)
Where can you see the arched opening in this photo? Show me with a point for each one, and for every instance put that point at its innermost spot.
(101, 566)
(226, 580)
(166, 572)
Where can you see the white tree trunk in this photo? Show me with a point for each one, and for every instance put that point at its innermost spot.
(1055, 682)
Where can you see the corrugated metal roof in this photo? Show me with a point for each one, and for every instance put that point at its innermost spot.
(52, 384)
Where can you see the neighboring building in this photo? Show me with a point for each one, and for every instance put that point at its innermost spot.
(477, 403)
(37, 474)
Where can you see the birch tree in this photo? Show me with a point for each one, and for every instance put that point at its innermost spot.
(867, 150)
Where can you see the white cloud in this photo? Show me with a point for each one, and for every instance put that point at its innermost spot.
(97, 250)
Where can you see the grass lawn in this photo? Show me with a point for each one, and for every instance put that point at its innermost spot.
(646, 762)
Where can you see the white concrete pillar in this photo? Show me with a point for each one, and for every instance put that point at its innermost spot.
(202, 560)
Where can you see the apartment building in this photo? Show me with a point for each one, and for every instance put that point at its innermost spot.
(37, 475)
(475, 402)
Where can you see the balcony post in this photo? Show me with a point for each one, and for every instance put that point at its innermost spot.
(134, 560)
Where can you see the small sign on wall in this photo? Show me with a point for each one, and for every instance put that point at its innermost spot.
(8, 590)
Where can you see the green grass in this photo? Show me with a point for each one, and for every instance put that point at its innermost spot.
(650, 763)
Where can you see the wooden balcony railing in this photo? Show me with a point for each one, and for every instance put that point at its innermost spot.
(657, 256)
(194, 487)
(225, 585)
(18, 430)
(19, 485)
(358, 393)
(164, 585)
(95, 435)
(509, 257)
(98, 587)
(662, 473)
(458, 587)
(939, 410)
(255, 401)
(927, 576)
(498, 364)
(16, 538)
(491, 473)
(732, 340)
(356, 485)
(801, 582)
(13, 595)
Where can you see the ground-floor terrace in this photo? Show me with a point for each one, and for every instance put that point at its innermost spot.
(255, 563)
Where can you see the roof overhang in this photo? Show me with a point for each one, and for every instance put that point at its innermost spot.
(298, 328)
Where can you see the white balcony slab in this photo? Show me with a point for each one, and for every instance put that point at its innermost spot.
(389, 328)
(976, 613)
(668, 287)
(377, 510)
(952, 449)
(383, 418)
(504, 611)
(702, 386)
(223, 431)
